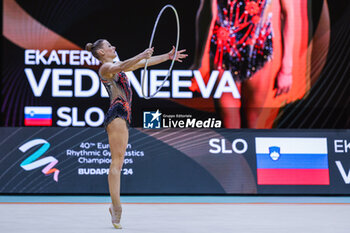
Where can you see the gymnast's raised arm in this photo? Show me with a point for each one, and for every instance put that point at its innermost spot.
(154, 60)
(108, 69)
(105, 53)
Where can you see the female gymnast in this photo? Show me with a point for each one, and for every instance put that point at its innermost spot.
(263, 43)
(118, 116)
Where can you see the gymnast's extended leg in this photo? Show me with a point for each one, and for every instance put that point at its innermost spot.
(118, 136)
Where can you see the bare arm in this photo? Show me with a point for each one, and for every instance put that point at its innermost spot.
(203, 22)
(151, 62)
(108, 70)
(291, 11)
(160, 59)
(292, 15)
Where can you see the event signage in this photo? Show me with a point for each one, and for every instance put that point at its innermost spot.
(173, 160)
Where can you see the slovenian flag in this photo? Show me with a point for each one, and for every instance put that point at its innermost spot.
(37, 116)
(292, 161)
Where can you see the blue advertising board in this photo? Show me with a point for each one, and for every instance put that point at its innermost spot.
(176, 161)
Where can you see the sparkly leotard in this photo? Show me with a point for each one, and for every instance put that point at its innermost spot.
(242, 37)
(120, 95)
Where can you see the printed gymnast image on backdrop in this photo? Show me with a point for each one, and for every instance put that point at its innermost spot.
(252, 63)
(267, 48)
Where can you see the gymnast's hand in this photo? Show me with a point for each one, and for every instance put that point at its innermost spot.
(179, 55)
(283, 83)
(147, 53)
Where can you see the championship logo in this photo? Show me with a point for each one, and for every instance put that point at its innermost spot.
(32, 162)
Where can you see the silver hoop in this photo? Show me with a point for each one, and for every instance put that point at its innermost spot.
(150, 46)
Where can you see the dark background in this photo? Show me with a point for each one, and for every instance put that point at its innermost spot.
(128, 26)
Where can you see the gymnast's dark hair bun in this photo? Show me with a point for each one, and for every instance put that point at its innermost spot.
(88, 47)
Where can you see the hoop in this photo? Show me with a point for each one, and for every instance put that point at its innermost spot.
(150, 46)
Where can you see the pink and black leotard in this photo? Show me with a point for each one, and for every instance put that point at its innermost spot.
(120, 95)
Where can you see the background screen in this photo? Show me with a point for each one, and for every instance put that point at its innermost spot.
(251, 64)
